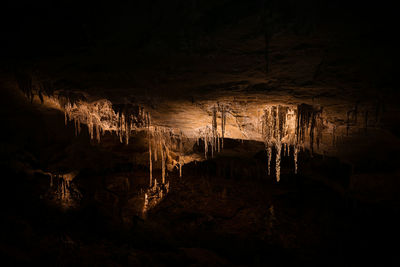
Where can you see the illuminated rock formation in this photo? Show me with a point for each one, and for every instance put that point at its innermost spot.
(284, 129)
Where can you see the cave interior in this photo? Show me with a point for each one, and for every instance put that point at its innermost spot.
(199, 133)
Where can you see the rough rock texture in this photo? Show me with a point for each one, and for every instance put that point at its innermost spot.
(218, 96)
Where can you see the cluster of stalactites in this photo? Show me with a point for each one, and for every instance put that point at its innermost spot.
(129, 119)
(101, 117)
(161, 142)
(309, 124)
(275, 128)
(212, 139)
(285, 127)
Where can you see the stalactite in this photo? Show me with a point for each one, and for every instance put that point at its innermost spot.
(295, 152)
(278, 161)
(98, 133)
(150, 158)
(90, 129)
(212, 147)
(319, 127)
(163, 165)
(79, 125)
(223, 124)
(218, 143)
(333, 134)
(127, 133)
(181, 151)
(214, 126)
(269, 155)
(205, 139)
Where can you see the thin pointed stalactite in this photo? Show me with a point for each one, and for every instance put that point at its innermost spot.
(181, 151)
(163, 165)
(218, 143)
(269, 155)
(223, 124)
(205, 140)
(150, 158)
(102, 116)
(98, 133)
(295, 158)
(214, 130)
(180, 167)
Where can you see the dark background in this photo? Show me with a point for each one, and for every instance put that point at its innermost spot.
(45, 28)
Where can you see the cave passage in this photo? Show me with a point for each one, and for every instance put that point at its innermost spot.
(199, 133)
